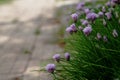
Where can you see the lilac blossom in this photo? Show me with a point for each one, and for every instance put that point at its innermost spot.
(57, 57)
(50, 68)
(67, 56)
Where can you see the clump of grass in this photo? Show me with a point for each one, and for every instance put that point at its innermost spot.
(15, 20)
(27, 52)
(37, 32)
(93, 56)
(93, 59)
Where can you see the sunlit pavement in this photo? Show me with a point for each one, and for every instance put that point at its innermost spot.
(21, 51)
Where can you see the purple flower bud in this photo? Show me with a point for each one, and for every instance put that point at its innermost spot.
(81, 28)
(87, 30)
(57, 57)
(116, 1)
(87, 11)
(104, 23)
(99, 36)
(80, 6)
(85, 23)
(103, 9)
(71, 29)
(109, 16)
(115, 34)
(91, 16)
(116, 15)
(101, 14)
(113, 4)
(74, 17)
(50, 68)
(67, 56)
(81, 20)
(105, 38)
(108, 4)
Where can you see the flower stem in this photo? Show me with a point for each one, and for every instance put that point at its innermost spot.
(55, 78)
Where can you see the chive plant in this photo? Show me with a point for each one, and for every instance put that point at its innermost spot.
(93, 50)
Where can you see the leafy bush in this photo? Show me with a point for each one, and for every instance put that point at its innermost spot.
(93, 44)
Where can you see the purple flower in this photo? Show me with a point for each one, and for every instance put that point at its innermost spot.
(115, 1)
(108, 4)
(105, 38)
(57, 57)
(71, 29)
(109, 16)
(81, 20)
(87, 11)
(115, 34)
(67, 56)
(87, 30)
(103, 9)
(50, 68)
(80, 27)
(85, 23)
(104, 23)
(80, 6)
(74, 17)
(99, 36)
(91, 16)
(113, 4)
(101, 14)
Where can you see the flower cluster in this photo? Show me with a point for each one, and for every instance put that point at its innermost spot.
(91, 16)
(94, 34)
(51, 67)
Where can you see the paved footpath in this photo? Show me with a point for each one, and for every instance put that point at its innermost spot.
(21, 51)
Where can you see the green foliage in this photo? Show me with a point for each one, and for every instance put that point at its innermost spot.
(5, 1)
(37, 32)
(93, 59)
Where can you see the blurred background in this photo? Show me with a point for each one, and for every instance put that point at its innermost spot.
(31, 31)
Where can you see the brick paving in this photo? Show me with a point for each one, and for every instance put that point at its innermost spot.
(21, 50)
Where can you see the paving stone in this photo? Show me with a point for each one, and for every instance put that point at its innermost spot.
(21, 51)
